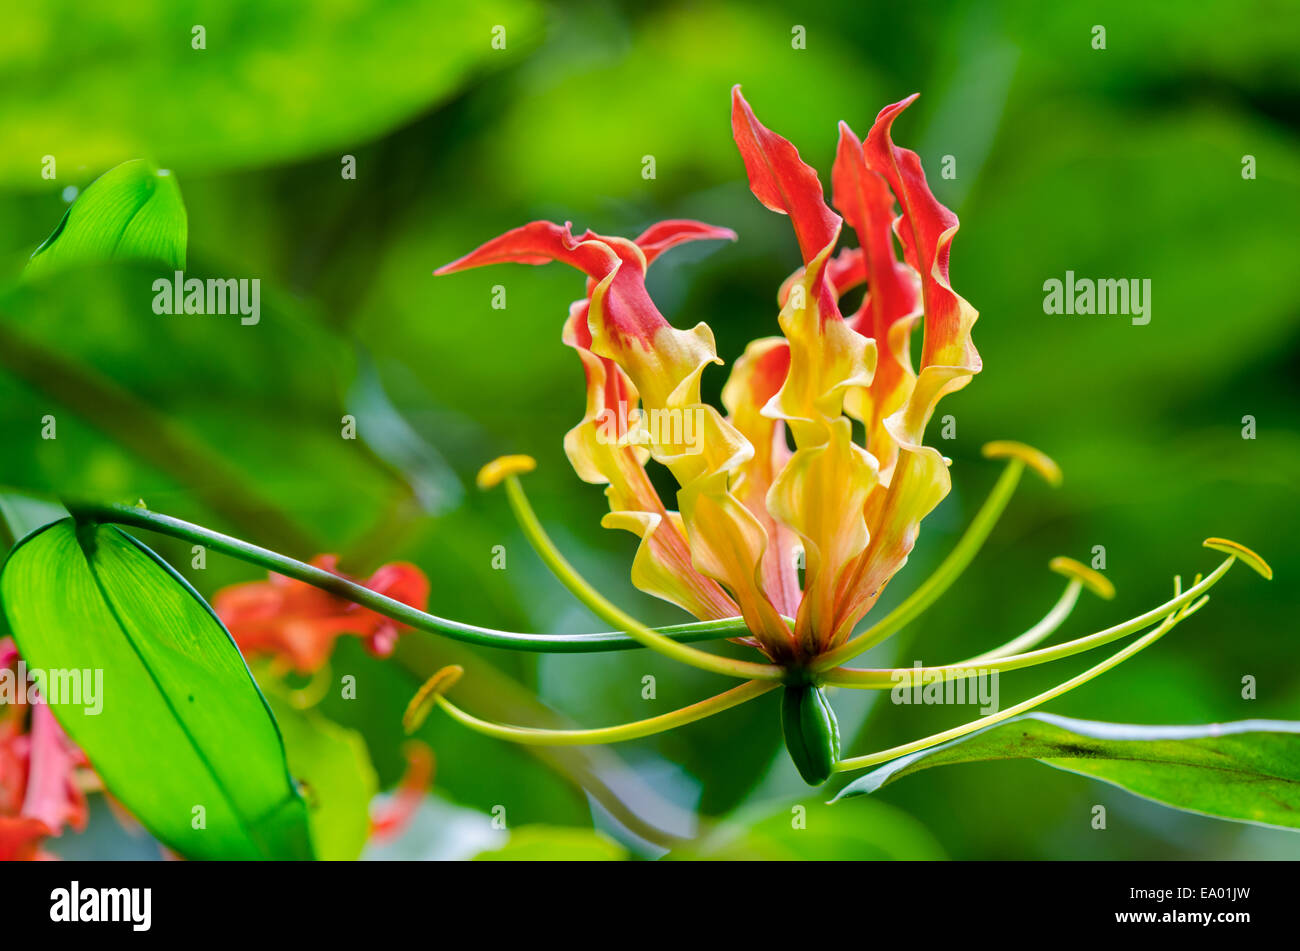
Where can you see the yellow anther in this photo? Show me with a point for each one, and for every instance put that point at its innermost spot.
(1242, 552)
(502, 468)
(1040, 462)
(1094, 581)
(433, 688)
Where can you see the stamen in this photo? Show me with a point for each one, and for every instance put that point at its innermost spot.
(1242, 552)
(599, 605)
(533, 736)
(1094, 581)
(1040, 462)
(873, 759)
(962, 554)
(1080, 577)
(418, 709)
(881, 679)
(491, 474)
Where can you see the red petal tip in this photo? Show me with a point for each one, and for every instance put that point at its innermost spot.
(892, 111)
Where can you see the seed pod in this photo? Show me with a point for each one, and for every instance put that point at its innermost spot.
(812, 734)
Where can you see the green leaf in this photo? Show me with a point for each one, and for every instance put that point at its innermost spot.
(543, 843)
(133, 212)
(181, 724)
(93, 83)
(332, 762)
(1247, 771)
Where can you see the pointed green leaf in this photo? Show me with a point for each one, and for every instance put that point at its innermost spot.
(133, 212)
(182, 735)
(1248, 770)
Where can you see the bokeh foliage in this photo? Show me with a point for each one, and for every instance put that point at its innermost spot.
(1123, 162)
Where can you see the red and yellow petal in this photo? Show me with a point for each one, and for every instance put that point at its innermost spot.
(845, 271)
(827, 357)
(607, 445)
(782, 181)
(624, 323)
(600, 452)
(919, 482)
(891, 307)
(663, 565)
(661, 236)
(754, 380)
(926, 229)
(728, 544)
(822, 495)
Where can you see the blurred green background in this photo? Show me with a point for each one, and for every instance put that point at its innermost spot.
(1124, 162)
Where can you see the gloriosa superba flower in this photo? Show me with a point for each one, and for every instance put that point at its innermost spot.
(751, 510)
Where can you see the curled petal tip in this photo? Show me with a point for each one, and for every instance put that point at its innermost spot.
(1040, 462)
(502, 468)
(450, 267)
(433, 688)
(1094, 581)
(1242, 552)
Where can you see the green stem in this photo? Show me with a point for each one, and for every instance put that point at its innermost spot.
(388, 607)
(935, 585)
(533, 736)
(608, 612)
